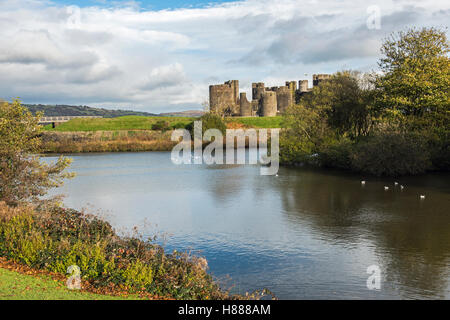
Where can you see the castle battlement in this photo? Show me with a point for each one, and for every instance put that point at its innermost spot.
(266, 101)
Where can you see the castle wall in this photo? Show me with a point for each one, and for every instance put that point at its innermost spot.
(257, 90)
(269, 104)
(255, 107)
(318, 78)
(292, 85)
(246, 106)
(303, 86)
(285, 98)
(224, 96)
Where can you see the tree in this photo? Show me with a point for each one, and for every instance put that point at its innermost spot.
(416, 73)
(304, 134)
(344, 100)
(23, 176)
(413, 90)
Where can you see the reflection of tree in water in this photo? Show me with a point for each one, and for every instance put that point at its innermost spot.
(411, 237)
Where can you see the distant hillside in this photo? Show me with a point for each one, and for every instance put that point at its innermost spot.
(188, 113)
(65, 110)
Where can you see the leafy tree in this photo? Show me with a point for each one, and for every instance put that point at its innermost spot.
(23, 176)
(345, 100)
(413, 90)
(306, 130)
(416, 73)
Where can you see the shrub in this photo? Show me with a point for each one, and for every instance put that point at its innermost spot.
(56, 238)
(337, 154)
(160, 125)
(179, 125)
(391, 154)
(209, 121)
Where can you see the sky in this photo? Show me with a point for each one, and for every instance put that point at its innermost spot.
(161, 56)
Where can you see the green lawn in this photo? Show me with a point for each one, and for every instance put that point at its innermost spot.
(259, 122)
(119, 123)
(17, 286)
(145, 123)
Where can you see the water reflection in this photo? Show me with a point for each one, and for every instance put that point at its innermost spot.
(412, 237)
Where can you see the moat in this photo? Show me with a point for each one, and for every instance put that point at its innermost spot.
(304, 234)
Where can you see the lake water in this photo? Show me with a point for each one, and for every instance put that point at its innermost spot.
(304, 234)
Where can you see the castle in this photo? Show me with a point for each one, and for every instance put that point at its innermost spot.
(266, 101)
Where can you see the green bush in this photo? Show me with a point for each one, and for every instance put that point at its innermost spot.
(160, 125)
(337, 154)
(391, 154)
(209, 121)
(179, 125)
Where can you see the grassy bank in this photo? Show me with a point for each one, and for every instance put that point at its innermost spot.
(105, 141)
(53, 239)
(18, 286)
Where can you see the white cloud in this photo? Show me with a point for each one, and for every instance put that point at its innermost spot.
(164, 60)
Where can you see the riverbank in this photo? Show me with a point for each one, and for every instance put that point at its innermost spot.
(106, 141)
(52, 239)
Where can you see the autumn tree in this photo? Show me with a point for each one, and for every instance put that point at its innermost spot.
(23, 176)
(344, 100)
(415, 77)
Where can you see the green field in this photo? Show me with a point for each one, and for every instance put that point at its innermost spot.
(145, 123)
(119, 123)
(17, 286)
(258, 122)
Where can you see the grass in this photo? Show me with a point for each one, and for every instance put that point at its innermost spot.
(17, 286)
(145, 123)
(257, 122)
(119, 123)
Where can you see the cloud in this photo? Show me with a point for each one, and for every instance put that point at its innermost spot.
(126, 56)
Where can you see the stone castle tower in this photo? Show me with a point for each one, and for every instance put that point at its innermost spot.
(266, 101)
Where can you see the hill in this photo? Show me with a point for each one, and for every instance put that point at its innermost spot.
(188, 113)
(67, 110)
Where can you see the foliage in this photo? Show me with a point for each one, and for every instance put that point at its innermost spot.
(344, 101)
(391, 154)
(304, 134)
(160, 125)
(337, 154)
(209, 121)
(54, 238)
(22, 175)
(416, 73)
